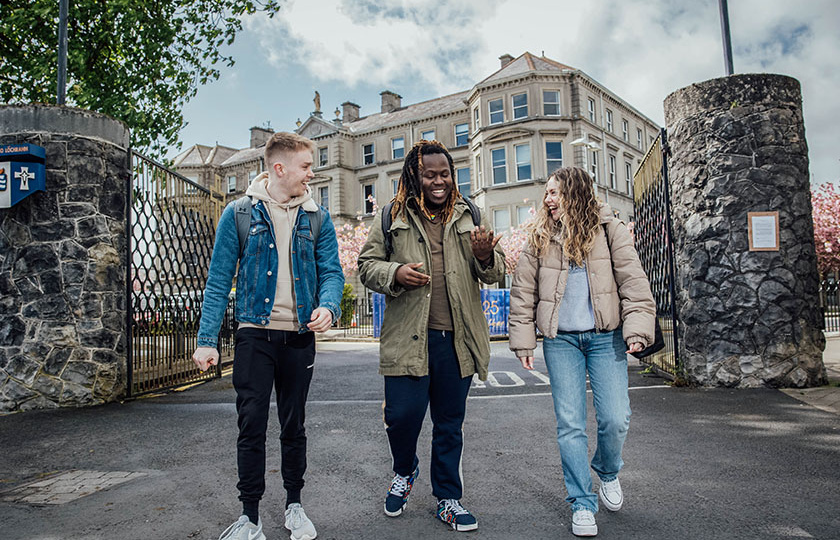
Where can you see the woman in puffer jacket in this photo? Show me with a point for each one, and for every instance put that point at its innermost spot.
(581, 283)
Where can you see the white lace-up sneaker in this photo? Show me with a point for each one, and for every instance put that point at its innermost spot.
(583, 523)
(243, 529)
(611, 495)
(300, 526)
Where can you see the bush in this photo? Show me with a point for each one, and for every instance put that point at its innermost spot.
(348, 305)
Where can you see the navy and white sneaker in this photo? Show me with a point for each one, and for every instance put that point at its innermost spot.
(456, 516)
(398, 493)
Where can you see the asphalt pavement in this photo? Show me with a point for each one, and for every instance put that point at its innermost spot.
(699, 463)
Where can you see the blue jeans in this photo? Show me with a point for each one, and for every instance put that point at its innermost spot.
(569, 357)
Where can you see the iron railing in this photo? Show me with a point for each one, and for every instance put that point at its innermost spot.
(830, 301)
(653, 238)
(361, 323)
(171, 228)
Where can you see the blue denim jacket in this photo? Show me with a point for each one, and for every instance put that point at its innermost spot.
(319, 281)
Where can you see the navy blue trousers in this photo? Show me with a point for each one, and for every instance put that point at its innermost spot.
(267, 359)
(444, 392)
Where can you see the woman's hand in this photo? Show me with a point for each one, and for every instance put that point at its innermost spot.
(527, 362)
(635, 347)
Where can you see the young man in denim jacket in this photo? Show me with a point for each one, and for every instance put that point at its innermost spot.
(287, 288)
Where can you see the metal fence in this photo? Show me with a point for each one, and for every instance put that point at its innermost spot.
(361, 323)
(171, 228)
(653, 237)
(830, 301)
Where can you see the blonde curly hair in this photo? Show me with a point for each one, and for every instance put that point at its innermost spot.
(579, 216)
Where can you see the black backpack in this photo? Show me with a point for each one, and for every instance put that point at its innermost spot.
(475, 212)
(242, 213)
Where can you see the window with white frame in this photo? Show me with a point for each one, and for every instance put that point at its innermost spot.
(501, 220)
(639, 138)
(551, 103)
(463, 178)
(398, 148)
(462, 135)
(497, 111)
(553, 156)
(476, 119)
(428, 135)
(499, 166)
(609, 120)
(520, 106)
(522, 152)
(625, 130)
(367, 154)
(324, 196)
(251, 175)
(628, 176)
(478, 174)
(395, 185)
(323, 156)
(593, 164)
(591, 105)
(368, 197)
(613, 183)
(231, 187)
(524, 214)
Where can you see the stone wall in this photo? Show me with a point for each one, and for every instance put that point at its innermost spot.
(62, 263)
(749, 318)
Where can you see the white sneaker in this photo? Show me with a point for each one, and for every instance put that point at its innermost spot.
(300, 525)
(243, 529)
(611, 495)
(583, 523)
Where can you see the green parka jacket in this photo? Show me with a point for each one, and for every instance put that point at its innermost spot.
(402, 346)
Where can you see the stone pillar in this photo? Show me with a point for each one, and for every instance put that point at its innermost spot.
(749, 318)
(62, 263)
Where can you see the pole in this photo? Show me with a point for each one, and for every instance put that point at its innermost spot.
(727, 42)
(62, 50)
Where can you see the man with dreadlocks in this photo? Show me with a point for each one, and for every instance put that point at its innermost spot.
(434, 333)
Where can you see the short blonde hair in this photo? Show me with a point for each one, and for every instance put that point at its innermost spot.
(283, 143)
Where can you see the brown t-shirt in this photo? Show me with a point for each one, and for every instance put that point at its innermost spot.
(440, 315)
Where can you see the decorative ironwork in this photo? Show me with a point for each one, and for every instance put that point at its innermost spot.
(653, 238)
(830, 301)
(171, 227)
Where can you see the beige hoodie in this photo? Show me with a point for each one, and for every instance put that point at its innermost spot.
(283, 217)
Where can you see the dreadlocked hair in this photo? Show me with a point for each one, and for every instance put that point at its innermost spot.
(409, 187)
(579, 216)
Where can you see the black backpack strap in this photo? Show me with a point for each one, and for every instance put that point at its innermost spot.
(315, 220)
(386, 225)
(474, 211)
(242, 213)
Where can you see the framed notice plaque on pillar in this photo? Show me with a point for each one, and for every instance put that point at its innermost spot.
(763, 230)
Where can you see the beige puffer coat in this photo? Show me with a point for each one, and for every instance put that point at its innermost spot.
(619, 289)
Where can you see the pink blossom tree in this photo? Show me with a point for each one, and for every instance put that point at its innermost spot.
(351, 240)
(826, 211)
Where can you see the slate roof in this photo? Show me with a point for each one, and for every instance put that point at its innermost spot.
(523, 64)
(198, 155)
(414, 112)
(246, 154)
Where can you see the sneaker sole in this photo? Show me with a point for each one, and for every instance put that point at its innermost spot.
(461, 528)
(397, 513)
(608, 505)
(584, 530)
(304, 537)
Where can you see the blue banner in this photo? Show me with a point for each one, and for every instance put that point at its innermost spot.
(22, 172)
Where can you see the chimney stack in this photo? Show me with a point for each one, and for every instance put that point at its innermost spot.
(260, 136)
(390, 101)
(350, 112)
(506, 59)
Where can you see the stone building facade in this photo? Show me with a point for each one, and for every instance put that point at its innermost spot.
(506, 135)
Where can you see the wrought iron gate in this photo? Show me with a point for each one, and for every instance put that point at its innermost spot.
(653, 237)
(171, 229)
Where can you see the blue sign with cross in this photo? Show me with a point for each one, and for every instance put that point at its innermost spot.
(21, 172)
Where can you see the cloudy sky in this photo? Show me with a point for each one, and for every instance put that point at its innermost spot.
(640, 49)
